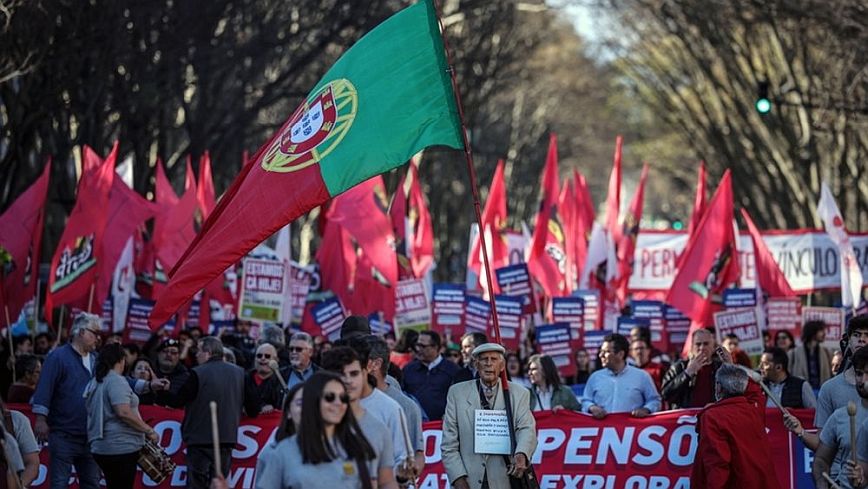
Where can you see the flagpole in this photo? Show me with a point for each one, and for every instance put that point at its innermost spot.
(11, 344)
(468, 156)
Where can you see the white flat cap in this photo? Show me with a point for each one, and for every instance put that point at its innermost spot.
(488, 347)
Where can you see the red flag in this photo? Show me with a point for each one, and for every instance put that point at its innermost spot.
(205, 193)
(584, 222)
(547, 261)
(21, 238)
(173, 227)
(422, 254)
(494, 223)
(568, 205)
(127, 211)
(75, 266)
(613, 198)
(398, 213)
(768, 274)
(699, 202)
(337, 261)
(629, 234)
(189, 176)
(710, 262)
(362, 211)
(586, 203)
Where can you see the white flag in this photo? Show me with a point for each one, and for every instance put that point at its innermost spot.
(283, 249)
(851, 274)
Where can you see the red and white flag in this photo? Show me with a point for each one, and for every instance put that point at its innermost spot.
(21, 240)
(710, 263)
(851, 274)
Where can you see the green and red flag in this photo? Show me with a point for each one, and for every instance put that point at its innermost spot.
(388, 97)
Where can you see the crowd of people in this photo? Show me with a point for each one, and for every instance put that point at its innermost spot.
(352, 410)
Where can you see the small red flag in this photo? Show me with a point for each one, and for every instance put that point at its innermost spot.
(629, 234)
(21, 238)
(173, 227)
(422, 242)
(494, 223)
(613, 198)
(205, 193)
(568, 205)
(337, 261)
(699, 202)
(768, 274)
(710, 263)
(547, 261)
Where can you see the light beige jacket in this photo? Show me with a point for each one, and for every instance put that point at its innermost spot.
(456, 446)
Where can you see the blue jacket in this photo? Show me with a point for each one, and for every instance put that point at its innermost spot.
(430, 387)
(59, 393)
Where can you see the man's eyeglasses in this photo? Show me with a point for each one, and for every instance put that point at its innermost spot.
(263, 355)
(419, 346)
(297, 349)
(92, 331)
(330, 397)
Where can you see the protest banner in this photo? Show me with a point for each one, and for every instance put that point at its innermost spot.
(784, 313)
(514, 280)
(735, 298)
(574, 450)
(570, 310)
(655, 313)
(834, 319)
(593, 342)
(378, 324)
(263, 290)
(555, 340)
(477, 315)
(591, 309)
(807, 258)
(447, 310)
(509, 311)
(300, 283)
(742, 323)
(329, 315)
(412, 310)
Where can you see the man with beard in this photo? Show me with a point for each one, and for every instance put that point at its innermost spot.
(465, 467)
(169, 367)
(300, 359)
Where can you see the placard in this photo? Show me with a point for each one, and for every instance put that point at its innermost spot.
(263, 290)
(412, 310)
(785, 313)
(738, 298)
(834, 319)
(593, 342)
(514, 280)
(137, 330)
(477, 315)
(509, 318)
(655, 313)
(677, 326)
(299, 287)
(329, 315)
(447, 309)
(591, 311)
(378, 324)
(742, 323)
(491, 432)
(570, 310)
(555, 341)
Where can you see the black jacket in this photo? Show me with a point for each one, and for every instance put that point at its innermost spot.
(677, 387)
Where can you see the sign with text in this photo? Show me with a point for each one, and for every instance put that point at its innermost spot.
(137, 330)
(677, 325)
(655, 313)
(329, 315)
(515, 280)
(784, 313)
(834, 319)
(447, 309)
(411, 305)
(477, 315)
(593, 342)
(570, 310)
(739, 298)
(742, 323)
(509, 311)
(299, 287)
(263, 290)
(554, 340)
(591, 309)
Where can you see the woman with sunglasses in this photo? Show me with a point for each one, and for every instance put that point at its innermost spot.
(329, 449)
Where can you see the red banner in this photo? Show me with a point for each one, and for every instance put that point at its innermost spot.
(574, 450)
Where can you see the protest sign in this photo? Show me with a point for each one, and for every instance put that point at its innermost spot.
(477, 315)
(412, 310)
(570, 310)
(514, 280)
(591, 310)
(834, 320)
(263, 290)
(137, 330)
(299, 287)
(742, 323)
(677, 326)
(554, 340)
(447, 310)
(739, 298)
(655, 313)
(329, 315)
(509, 311)
(784, 313)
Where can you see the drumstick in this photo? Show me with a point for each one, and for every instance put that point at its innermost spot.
(276, 369)
(851, 411)
(215, 436)
(832, 484)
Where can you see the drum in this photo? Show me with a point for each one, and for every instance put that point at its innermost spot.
(154, 462)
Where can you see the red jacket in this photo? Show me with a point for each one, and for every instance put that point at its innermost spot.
(733, 448)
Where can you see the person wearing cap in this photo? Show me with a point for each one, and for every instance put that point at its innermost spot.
(169, 367)
(465, 468)
(355, 326)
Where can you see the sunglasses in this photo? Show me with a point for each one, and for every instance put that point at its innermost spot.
(330, 397)
(263, 355)
(297, 349)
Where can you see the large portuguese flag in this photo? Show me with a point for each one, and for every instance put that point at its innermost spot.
(388, 97)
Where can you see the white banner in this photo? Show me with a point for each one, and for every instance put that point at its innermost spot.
(809, 259)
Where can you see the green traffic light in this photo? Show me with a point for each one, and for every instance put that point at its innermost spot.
(677, 225)
(763, 105)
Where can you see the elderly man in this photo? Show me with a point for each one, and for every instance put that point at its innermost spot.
(300, 359)
(465, 467)
(790, 391)
(690, 383)
(212, 380)
(733, 451)
(169, 367)
(619, 387)
(268, 389)
(61, 416)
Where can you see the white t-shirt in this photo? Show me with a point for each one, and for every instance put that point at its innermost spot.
(388, 412)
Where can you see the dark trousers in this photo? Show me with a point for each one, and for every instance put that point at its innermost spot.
(119, 470)
(200, 464)
(67, 451)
